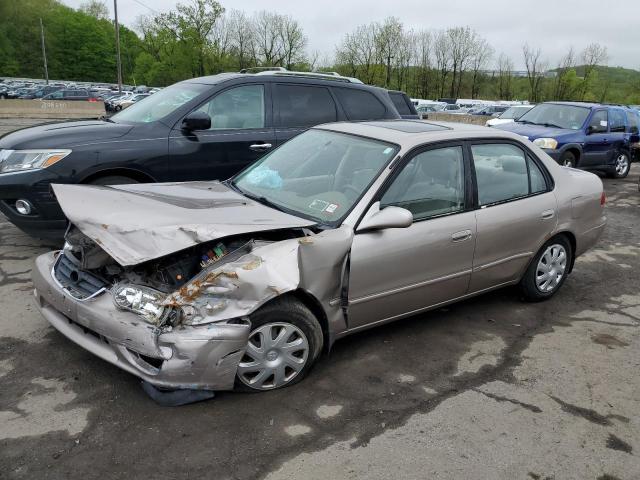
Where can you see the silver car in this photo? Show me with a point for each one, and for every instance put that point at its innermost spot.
(243, 283)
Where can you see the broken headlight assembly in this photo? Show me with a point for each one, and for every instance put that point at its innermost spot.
(141, 300)
(20, 160)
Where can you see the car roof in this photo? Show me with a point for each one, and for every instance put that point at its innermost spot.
(410, 133)
(579, 104)
(301, 78)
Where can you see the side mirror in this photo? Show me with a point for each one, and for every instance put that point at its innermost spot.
(590, 129)
(196, 121)
(388, 217)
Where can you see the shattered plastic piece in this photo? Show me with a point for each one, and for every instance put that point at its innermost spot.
(265, 177)
(176, 398)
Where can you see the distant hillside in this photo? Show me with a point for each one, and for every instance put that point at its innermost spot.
(613, 84)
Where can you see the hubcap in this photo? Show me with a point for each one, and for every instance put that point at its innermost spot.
(275, 355)
(622, 164)
(551, 268)
(567, 162)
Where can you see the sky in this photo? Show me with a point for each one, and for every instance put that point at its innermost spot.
(551, 25)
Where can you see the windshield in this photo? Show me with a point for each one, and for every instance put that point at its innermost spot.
(514, 112)
(318, 174)
(160, 104)
(558, 116)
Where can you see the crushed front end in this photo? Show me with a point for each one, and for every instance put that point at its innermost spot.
(178, 322)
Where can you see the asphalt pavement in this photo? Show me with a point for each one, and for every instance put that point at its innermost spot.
(491, 388)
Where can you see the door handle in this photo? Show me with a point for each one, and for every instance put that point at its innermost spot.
(548, 214)
(461, 236)
(260, 147)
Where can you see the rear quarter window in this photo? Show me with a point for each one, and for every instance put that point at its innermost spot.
(400, 103)
(360, 104)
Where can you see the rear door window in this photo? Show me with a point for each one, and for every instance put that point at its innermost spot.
(617, 120)
(360, 104)
(504, 173)
(304, 106)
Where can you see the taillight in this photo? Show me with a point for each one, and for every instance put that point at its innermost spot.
(603, 199)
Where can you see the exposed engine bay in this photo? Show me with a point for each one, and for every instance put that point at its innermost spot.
(156, 288)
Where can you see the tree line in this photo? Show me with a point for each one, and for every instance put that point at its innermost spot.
(201, 37)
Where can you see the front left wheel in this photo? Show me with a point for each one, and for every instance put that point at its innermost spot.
(284, 343)
(548, 270)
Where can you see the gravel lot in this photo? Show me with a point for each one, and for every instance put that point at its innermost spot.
(491, 388)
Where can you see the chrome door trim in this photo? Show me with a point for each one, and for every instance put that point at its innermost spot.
(374, 296)
(502, 260)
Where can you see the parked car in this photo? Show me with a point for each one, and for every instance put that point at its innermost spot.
(127, 102)
(66, 94)
(489, 110)
(210, 285)
(17, 93)
(590, 136)
(112, 102)
(511, 114)
(40, 92)
(200, 129)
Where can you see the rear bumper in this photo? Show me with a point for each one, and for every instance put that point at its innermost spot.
(204, 357)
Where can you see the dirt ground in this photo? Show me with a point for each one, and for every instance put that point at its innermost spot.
(491, 388)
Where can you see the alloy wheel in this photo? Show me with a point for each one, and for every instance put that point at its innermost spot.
(276, 353)
(622, 164)
(551, 268)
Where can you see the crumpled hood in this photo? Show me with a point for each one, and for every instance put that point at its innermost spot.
(141, 222)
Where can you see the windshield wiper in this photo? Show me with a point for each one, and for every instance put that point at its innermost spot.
(551, 125)
(527, 122)
(260, 199)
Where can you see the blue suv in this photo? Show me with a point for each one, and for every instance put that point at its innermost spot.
(590, 136)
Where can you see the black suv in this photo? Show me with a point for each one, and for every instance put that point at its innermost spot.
(204, 128)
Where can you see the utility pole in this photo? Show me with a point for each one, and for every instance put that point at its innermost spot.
(115, 11)
(44, 53)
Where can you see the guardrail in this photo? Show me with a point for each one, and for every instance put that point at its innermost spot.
(58, 109)
(459, 118)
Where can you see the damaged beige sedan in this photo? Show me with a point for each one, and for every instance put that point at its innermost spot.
(243, 283)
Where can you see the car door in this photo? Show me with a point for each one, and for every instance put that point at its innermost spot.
(618, 140)
(297, 107)
(596, 144)
(399, 271)
(241, 132)
(516, 212)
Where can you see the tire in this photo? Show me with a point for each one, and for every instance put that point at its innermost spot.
(117, 108)
(113, 180)
(568, 159)
(532, 285)
(621, 166)
(269, 364)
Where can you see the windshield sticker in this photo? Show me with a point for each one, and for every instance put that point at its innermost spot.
(318, 205)
(388, 150)
(265, 177)
(332, 207)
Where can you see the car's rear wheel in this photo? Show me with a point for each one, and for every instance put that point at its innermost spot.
(568, 159)
(284, 343)
(113, 180)
(548, 270)
(621, 165)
